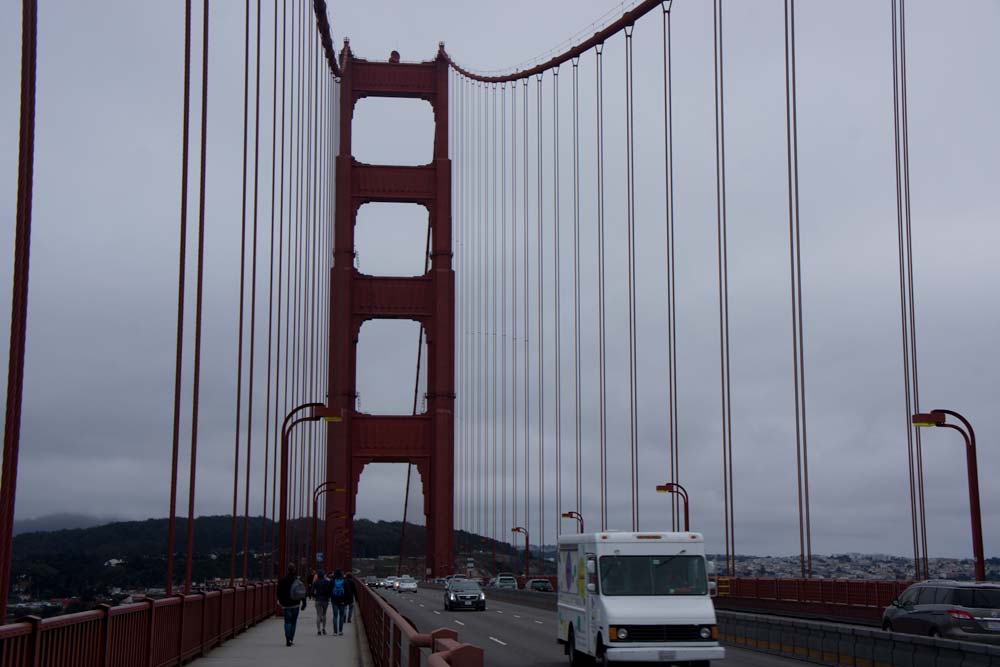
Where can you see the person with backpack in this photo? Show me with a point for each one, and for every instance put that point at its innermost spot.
(338, 600)
(350, 596)
(291, 594)
(321, 589)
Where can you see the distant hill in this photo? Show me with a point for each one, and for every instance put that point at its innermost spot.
(89, 561)
(62, 521)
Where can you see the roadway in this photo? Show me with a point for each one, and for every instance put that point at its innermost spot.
(514, 635)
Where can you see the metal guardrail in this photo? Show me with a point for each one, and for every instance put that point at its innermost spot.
(394, 642)
(837, 644)
(152, 633)
(836, 599)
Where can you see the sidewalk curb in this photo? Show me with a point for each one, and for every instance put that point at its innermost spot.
(361, 635)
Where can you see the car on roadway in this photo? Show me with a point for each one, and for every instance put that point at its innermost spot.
(371, 581)
(505, 582)
(540, 585)
(961, 610)
(464, 594)
(390, 582)
(406, 585)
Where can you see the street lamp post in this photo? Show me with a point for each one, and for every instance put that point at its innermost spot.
(939, 418)
(325, 487)
(574, 515)
(673, 487)
(317, 411)
(527, 550)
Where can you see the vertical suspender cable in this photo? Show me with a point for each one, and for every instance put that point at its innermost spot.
(513, 298)
(503, 307)
(630, 217)
(555, 289)
(601, 342)
(909, 270)
(199, 289)
(493, 332)
(19, 298)
(905, 288)
(577, 431)
(795, 276)
(253, 308)
(541, 329)
(243, 250)
(182, 254)
(270, 301)
(668, 158)
(280, 396)
(527, 322)
(720, 197)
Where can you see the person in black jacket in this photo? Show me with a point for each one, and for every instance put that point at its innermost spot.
(321, 594)
(291, 594)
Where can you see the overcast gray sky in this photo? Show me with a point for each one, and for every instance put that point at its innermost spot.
(99, 377)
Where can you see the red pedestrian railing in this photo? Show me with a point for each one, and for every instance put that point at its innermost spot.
(394, 642)
(856, 599)
(152, 633)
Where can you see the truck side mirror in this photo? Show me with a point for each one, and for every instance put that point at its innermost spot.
(710, 567)
(591, 567)
(591, 588)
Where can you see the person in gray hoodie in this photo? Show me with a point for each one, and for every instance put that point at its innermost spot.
(321, 590)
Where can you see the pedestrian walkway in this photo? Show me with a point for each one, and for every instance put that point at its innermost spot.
(264, 644)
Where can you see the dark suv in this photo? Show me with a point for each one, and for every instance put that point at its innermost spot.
(951, 609)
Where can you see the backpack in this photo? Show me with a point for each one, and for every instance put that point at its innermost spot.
(338, 588)
(298, 590)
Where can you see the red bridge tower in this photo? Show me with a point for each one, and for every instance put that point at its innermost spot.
(425, 440)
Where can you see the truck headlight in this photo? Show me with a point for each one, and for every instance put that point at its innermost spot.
(707, 632)
(622, 634)
(618, 634)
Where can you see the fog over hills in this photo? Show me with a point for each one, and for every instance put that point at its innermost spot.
(62, 521)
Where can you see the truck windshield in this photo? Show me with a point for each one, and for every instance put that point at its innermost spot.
(653, 575)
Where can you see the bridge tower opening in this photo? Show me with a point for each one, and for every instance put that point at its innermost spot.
(425, 440)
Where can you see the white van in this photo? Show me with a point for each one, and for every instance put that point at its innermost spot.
(639, 597)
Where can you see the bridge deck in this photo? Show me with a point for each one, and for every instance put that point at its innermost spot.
(264, 644)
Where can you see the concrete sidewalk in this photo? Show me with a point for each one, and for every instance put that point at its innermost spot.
(264, 644)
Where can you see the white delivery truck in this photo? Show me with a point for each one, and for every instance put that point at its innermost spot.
(640, 597)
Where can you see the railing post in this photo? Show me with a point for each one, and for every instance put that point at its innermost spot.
(105, 635)
(149, 632)
(36, 639)
(180, 630)
(204, 617)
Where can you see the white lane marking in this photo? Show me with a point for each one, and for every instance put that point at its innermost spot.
(437, 612)
(539, 622)
(516, 616)
(460, 622)
(421, 605)
(498, 641)
(498, 611)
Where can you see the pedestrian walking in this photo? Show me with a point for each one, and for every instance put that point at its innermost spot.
(291, 596)
(321, 590)
(350, 584)
(338, 601)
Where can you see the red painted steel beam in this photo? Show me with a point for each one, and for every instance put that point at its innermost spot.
(626, 20)
(392, 298)
(385, 183)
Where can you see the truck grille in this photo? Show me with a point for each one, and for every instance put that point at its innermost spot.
(663, 633)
